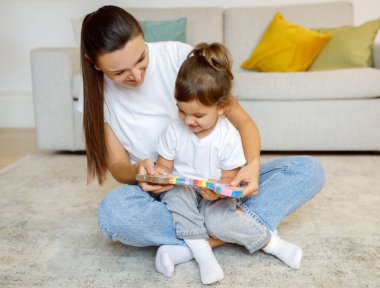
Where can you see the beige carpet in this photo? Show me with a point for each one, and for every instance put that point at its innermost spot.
(49, 235)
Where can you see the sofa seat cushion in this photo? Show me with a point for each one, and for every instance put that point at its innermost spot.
(355, 83)
(335, 84)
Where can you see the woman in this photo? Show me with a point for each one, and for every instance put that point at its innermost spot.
(127, 102)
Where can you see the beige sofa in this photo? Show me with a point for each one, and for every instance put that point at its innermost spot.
(306, 111)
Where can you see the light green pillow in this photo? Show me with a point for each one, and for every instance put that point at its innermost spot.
(350, 47)
(173, 30)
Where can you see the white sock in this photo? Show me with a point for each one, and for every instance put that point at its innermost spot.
(287, 252)
(208, 265)
(169, 255)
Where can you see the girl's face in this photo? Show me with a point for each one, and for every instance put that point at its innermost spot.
(126, 66)
(199, 118)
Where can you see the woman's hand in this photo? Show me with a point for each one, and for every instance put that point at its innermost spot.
(147, 168)
(250, 175)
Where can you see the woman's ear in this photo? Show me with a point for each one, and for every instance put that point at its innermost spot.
(89, 59)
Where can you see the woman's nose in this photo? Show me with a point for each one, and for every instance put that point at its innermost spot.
(135, 74)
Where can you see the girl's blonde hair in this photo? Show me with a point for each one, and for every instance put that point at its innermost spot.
(206, 76)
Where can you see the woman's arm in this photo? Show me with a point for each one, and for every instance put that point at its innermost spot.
(123, 170)
(118, 161)
(161, 167)
(250, 138)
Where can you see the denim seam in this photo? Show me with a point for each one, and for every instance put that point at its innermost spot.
(281, 169)
(111, 236)
(193, 234)
(253, 247)
(248, 210)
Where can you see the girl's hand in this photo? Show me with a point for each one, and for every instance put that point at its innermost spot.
(160, 170)
(147, 168)
(208, 194)
(250, 175)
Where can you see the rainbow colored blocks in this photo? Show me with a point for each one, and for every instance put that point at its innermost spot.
(222, 189)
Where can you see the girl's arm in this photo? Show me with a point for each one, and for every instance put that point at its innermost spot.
(164, 165)
(228, 175)
(226, 178)
(250, 138)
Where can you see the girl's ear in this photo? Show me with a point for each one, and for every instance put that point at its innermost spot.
(221, 109)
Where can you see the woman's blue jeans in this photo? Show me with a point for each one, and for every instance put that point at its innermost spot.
(134, 217)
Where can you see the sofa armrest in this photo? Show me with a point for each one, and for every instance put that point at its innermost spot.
(52, 73)
(376, 51)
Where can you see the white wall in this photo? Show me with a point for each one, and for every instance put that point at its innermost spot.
(27, 24)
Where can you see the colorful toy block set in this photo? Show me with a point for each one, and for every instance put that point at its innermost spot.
(219, 188)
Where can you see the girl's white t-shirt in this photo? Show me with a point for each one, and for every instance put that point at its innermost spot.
(138, 116)
(201, 158)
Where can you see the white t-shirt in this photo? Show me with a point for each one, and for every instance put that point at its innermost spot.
(201, 158)
(138, 116)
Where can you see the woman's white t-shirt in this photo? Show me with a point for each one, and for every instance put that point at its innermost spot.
(138, 116)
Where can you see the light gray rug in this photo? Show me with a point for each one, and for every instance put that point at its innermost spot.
(49, 235)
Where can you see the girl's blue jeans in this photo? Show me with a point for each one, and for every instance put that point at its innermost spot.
(134, 217)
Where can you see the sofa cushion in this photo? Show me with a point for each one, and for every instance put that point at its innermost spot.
(338, 84)
(172, 30)
(350, 47)
(208, 20)
(241, 22)
(204, 24)
(154, 31)
(333, 84)
(286, 47)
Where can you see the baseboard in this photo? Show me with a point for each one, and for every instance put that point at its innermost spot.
(16, 109)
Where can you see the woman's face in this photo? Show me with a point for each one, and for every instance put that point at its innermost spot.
(126, 66)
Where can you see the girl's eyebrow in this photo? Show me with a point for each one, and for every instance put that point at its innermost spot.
(196, 114)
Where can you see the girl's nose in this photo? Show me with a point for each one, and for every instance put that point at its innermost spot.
(189, 120)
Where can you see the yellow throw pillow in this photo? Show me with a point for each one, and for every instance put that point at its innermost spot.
(286, 47)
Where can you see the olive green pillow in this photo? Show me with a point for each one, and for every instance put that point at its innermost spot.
(350, 47)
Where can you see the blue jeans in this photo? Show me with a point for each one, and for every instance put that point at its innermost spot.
(134, 217)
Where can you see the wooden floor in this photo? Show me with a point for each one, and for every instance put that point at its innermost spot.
(16, 143)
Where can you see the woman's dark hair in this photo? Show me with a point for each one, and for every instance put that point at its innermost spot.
(104, 31)
(206, 76)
